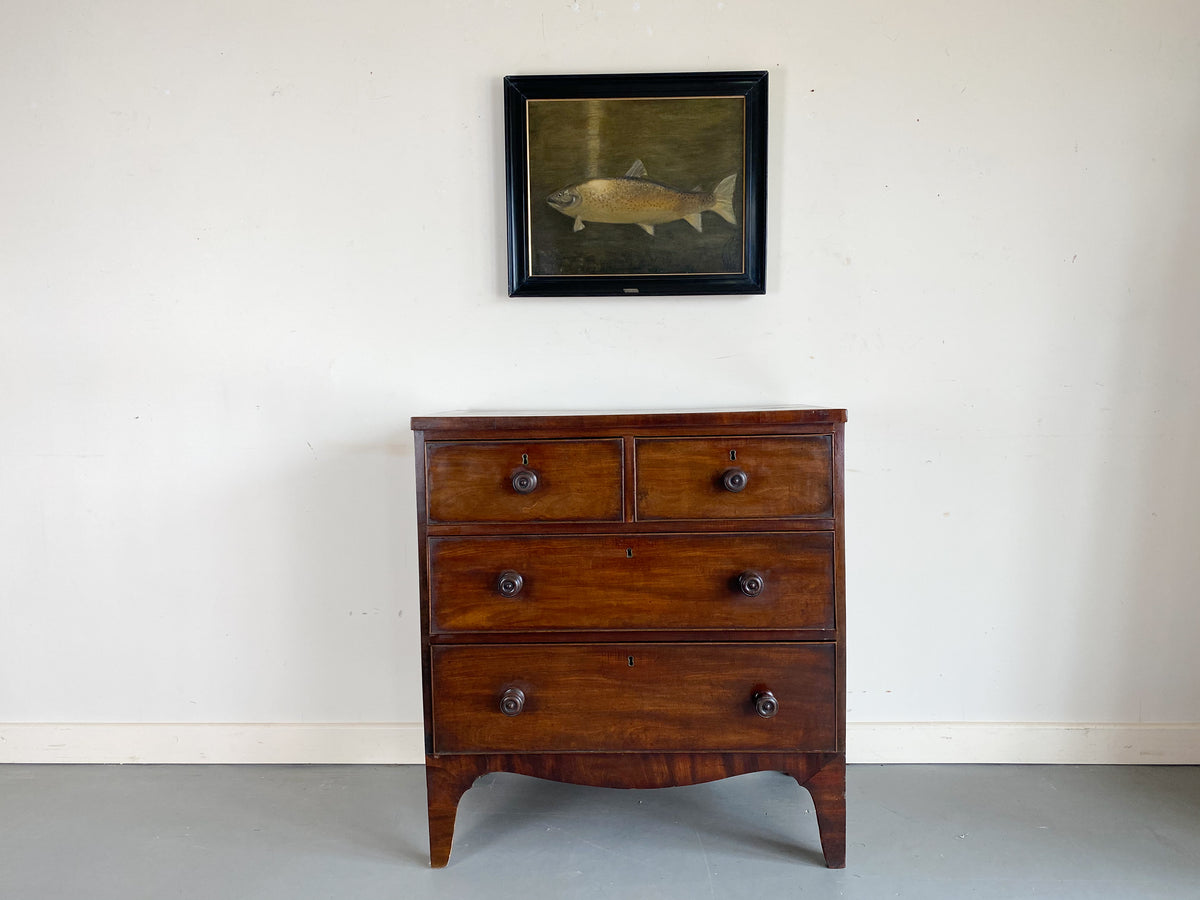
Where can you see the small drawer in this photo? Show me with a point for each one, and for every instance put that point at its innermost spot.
(784, 477)
(524, 481)
(649, 697)
(633, 582)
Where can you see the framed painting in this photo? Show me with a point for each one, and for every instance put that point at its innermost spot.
(636, 184)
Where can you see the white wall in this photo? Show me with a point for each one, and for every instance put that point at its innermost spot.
(242, 242)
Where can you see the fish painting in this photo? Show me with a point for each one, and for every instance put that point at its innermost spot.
(635, 199)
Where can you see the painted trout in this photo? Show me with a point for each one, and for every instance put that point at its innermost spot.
(633, 199)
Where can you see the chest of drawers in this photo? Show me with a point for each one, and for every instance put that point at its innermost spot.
(635, 601)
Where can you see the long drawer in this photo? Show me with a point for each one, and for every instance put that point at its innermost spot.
(649, 697)
(632, 582)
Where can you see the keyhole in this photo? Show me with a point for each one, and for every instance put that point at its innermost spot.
(630, 659)
(524, 459)
(732, 455)
(629, 552)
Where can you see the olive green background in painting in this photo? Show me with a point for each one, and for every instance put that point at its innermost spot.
(685, 143)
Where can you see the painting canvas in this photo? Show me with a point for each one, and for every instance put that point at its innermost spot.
(651, 184)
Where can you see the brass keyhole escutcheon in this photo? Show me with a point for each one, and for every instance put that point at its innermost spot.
(630, 660)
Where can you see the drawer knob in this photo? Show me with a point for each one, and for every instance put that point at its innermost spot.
(509, 583)
(524, 481)
(512, 702)
(765, 704)
(734, 480)
(751, 584)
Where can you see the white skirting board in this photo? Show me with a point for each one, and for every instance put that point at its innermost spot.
(334, 743)
(403, 743)
(1028, 743)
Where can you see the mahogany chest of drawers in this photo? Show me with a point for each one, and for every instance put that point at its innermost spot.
(633, 601)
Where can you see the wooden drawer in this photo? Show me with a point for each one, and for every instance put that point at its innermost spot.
(785, 477)
(473, 481)
(648, 697)
(631, 582)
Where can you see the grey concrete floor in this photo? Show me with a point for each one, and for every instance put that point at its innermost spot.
(358, 832)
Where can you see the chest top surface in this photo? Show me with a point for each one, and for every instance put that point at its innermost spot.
(482, 423)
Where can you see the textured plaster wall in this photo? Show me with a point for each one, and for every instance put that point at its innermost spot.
(241, 243)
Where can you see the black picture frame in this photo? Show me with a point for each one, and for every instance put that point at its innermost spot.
(610, 149)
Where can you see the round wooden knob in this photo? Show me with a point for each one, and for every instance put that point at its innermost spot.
(524, 481)
(734, 480)
(512, 702)
(509, 583)
(751, 584)
(765, 704)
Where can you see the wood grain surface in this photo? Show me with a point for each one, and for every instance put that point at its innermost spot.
(635, 696)
(787, 476)
(632, 582)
